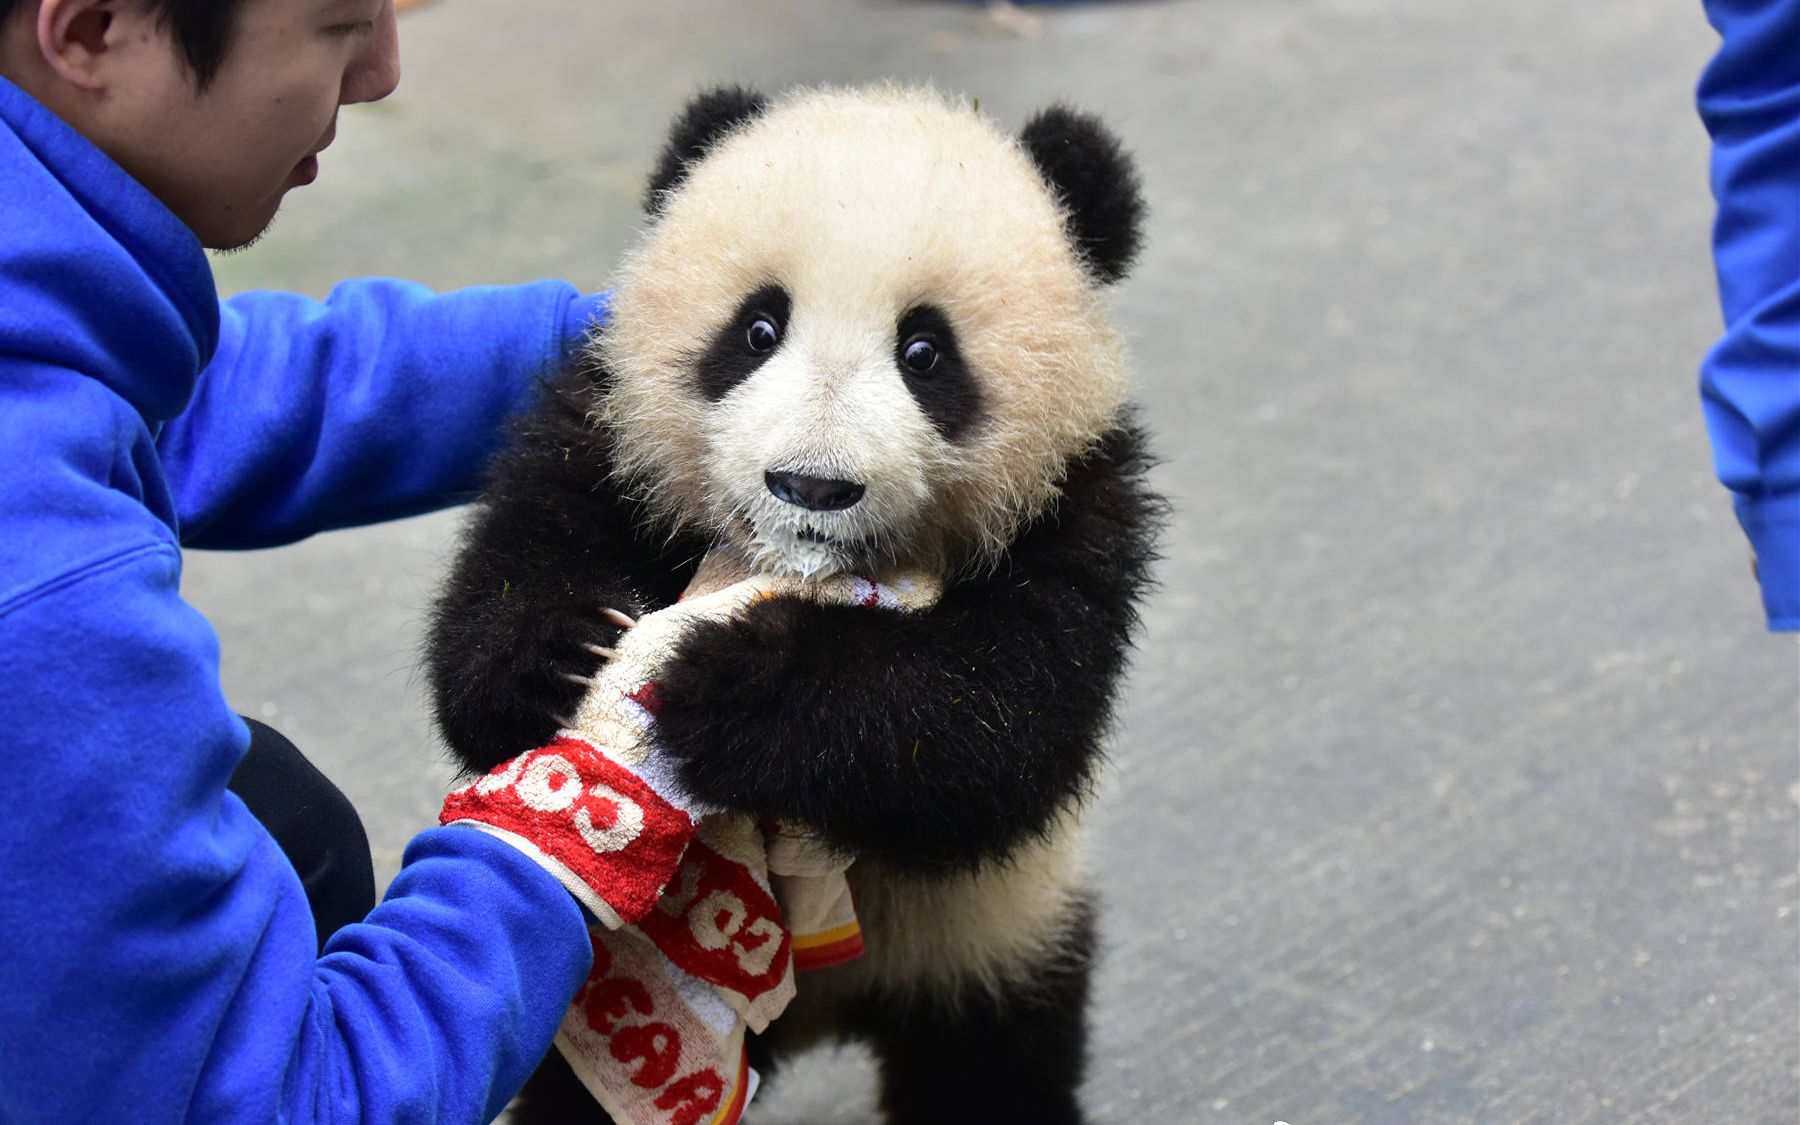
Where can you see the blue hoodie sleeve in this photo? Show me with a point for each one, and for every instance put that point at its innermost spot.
(159, 959)
(383, 400)
(1749, 98)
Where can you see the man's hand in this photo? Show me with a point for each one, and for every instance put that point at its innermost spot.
(586, 818)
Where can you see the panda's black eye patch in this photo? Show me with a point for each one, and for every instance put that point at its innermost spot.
(743, 344)
(925, 349)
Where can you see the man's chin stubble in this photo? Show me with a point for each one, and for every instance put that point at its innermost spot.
(247, 243)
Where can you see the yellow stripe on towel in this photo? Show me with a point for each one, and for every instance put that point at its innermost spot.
(733, 1109)
(828, 947)
(827, 937)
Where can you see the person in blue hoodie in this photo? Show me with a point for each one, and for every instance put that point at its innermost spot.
(159, 957)
(1749, 98)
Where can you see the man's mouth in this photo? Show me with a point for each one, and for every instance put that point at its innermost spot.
(307, 170)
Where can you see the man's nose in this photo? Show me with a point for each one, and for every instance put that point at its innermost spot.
(376, 72)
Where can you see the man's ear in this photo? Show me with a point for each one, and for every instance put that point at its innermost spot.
(79, 39)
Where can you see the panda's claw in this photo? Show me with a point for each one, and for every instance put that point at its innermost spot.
(622, 620)
(573, 678)
(601, 651)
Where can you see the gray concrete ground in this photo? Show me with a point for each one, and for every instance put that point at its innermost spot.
(1457, 781)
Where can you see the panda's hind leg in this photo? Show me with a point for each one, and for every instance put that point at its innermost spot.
(1007, 1058)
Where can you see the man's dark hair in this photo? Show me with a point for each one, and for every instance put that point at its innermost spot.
(201, 29)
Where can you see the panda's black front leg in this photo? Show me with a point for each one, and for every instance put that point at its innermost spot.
(934, 739)
(552, 547)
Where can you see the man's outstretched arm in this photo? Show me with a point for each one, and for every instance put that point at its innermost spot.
(384, 400)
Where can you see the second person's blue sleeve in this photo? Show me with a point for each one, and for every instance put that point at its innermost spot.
(1749, 98)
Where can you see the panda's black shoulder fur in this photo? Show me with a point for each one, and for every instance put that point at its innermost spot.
(552, 542)
(938, 739)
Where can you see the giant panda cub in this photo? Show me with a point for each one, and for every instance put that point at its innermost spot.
(864, 329)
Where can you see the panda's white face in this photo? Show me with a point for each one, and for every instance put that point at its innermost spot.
(858, 336)
(817, 450)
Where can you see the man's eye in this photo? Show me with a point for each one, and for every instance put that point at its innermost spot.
(348, 29)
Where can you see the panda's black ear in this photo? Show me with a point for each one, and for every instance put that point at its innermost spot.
(1096, 180)
(711, 115)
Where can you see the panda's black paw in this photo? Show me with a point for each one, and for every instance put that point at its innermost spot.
(726, 710)
(509, 691)
(616, 623)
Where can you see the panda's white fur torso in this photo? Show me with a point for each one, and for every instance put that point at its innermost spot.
(988, 932)
(864, 331)
(991, 928)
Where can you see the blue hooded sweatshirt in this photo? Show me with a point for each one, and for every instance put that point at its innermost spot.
(1749, 98)
(157, 956)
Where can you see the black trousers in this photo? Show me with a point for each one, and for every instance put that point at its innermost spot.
(315, 825)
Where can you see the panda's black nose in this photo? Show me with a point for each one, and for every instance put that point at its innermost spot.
(815, 494)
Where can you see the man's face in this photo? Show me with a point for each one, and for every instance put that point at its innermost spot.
(222, 158)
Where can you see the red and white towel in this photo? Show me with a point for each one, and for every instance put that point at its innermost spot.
(705, 915)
